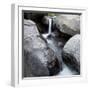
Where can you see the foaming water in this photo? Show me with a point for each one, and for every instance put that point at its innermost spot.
(54, 45)
(50, 25)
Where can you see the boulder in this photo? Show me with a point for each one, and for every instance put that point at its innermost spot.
(71, 53)
(69, 24)
(39, 59)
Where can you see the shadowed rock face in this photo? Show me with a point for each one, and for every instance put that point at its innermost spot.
(36, 16)
(39, 59)
(71, 53)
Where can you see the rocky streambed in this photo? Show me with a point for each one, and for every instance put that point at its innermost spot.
(55, 52)
(56, 43)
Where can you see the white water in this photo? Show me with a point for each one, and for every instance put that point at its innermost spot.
(66, 70)
(50, 25)
(49, 29)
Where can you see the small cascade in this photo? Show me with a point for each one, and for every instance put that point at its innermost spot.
(49, 29)
(54, 44)
(50, 20)
(50, 26)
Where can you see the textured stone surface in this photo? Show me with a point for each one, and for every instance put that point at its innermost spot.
(39, 59)
(71, 52)
(69, 24)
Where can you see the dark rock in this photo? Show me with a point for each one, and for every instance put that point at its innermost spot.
(45, 20)
(71, 53)
(39, 59)
(35, 16)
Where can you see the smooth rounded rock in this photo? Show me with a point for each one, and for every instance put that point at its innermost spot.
(39, 59)
(68, 23)
(71, 53)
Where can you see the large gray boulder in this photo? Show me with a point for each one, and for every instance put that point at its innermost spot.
(39, 59)
(68, 23)
(71, 53)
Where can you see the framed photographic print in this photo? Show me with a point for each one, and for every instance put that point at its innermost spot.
(46, 44)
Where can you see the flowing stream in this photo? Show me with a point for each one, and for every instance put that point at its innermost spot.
(55, 43)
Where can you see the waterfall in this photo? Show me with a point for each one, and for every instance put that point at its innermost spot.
(50, 25)
(49, 28)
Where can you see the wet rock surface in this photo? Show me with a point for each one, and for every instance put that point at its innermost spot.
(71, 53)
(39, 59)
